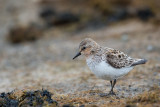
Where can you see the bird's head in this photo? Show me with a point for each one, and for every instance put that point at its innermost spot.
(87, 47)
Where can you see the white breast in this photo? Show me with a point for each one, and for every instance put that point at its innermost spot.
(105, 71)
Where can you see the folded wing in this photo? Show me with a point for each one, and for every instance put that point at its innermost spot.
(118, 59)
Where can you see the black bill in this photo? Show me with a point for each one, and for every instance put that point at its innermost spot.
(78, 54)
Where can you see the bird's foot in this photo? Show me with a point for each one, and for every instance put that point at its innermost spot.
(111, 93)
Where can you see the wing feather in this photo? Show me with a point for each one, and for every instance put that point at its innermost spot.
(118, 59)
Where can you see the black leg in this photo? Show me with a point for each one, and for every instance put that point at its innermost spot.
(105, 94)
(112, 86)
(111, 83)
(114, 83)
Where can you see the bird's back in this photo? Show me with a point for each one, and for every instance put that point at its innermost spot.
(118, 59)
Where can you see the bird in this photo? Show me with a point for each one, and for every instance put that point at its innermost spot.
(107, 63)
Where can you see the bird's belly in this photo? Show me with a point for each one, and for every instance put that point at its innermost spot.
(105, 71)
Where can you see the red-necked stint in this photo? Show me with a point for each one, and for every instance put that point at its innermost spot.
(107, 63)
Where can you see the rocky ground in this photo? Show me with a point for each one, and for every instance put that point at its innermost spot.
(47, 64)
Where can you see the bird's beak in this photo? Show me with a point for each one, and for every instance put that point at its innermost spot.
(78, 54)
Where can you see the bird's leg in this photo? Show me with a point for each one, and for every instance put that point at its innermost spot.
(112, 86)
(105, 94)
(111, 82)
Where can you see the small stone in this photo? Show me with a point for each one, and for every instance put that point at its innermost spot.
(103, 94)
(128, 106)
(82, 106)
(135, 89)
(124, 37)
(67, 105)
(150, 48)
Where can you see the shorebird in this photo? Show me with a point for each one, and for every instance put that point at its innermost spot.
(107, 63)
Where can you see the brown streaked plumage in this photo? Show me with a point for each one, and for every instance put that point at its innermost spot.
(107, 63)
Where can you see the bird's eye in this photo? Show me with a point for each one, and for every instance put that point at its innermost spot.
(83, 48)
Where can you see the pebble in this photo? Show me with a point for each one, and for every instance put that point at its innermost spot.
(124, 37)
(67, 105)
(150, 48)
(82, 106)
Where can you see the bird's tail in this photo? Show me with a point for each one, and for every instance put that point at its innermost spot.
(139, 61)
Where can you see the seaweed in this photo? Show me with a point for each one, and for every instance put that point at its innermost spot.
(28, 98)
